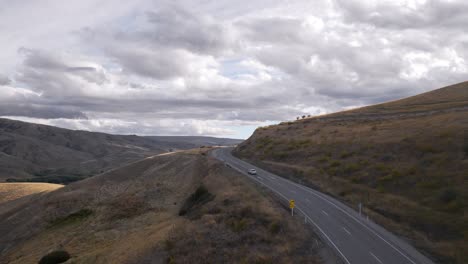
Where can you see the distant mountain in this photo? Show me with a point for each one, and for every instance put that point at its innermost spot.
(405, 160)
(185, 142)
(33, 152)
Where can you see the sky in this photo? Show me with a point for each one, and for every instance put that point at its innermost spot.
(220, 68)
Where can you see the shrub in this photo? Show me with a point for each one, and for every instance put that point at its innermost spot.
(55, 257)
(335, 164)
(238, 225)
(355, 179)
(274, 228)
(280, 155)
(346, 154)
(350, 168)
(168, 245)
(199, 197)
(72, 218)
(448, 195)
(127, 206)
(324, 159)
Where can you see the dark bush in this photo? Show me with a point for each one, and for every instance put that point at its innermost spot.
(72, 218)
(448, 195)
(274, 227)
(199, 197)
(55, 257)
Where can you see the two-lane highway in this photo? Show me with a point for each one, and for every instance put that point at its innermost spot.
(355, 239)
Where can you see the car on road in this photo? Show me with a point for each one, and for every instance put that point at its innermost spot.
(252, 172)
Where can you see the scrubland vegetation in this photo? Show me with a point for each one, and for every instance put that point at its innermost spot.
(179, 208)
(407, 161)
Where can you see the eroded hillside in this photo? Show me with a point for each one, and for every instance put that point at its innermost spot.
(406, 161)
(177, 208)
(39, 153)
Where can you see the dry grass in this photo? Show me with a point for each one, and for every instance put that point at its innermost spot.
(12, 191)
(409, 169)
(131, 215)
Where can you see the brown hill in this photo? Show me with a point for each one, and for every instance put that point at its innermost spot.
(12, 191)
(33, 152)
(406, 160)
(182, 208)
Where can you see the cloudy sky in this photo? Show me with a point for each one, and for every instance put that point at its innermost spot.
(219, 68)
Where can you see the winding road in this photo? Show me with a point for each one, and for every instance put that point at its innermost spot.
(354, 238)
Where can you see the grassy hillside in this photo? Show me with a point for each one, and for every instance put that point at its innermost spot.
(179, 208)
(33, 152)
(406, 160)
(12, 191)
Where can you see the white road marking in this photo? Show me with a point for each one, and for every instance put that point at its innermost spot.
(352, 217)
(325, 213)
(346, 230)
(312, 221)
(372, 254)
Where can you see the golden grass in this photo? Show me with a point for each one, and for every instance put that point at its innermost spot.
(418, 157)
(135, 218)
(12, 191)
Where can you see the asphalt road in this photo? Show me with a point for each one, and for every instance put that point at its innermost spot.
(354, 238)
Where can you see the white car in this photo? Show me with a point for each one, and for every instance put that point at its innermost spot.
(252, 172)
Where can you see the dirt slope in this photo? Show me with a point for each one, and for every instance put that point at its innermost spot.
(406, 160)
(179, 208)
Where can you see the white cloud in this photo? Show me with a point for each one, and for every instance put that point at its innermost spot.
(213, 67)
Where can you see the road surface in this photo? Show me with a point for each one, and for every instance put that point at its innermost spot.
(354, 238)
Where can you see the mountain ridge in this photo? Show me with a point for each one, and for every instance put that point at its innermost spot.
(35, 152)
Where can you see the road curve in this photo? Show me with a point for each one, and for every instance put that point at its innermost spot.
(355, 239)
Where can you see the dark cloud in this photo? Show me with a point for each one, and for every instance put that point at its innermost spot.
(54, 76)
(196, 66)
(157, 62)
(4, 80)
(397, 15)
(174, 26)
(39, 111)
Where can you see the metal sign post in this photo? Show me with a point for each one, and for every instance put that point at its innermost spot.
(292, 205)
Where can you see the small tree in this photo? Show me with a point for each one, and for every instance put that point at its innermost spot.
(303, 116)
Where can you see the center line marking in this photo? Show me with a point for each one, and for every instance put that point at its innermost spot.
(324, 212)
(372, 254)
(346, 230)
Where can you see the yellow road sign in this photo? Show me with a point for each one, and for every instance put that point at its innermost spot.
(291, 204)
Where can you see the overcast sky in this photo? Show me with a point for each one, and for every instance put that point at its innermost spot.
(219, 68)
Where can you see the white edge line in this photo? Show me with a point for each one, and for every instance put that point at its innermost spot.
(346, 230)
(325, 213)
(354, 218)
(312, 221)
(376, 257)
